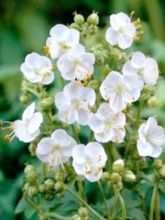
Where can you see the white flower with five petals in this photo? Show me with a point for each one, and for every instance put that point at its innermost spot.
(107, 125)
(151, 139)
(62, 38)
(122, 30)
(76, 63)
(89, 160)
(146, 68)
(37, 69)
(74, 103)
(120, 90)
(56, 149)
(27, 129)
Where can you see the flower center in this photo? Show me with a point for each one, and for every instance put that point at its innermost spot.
(76, 104)
(56, 156)
(118, 89)
(63, 46)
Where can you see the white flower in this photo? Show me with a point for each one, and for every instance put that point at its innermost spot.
(76, 63)
(146, 68)
(122, 30)
(151, 138)
(74, 103)
(56, 149)
(37, 69)
(120, 90)
(27, 129)
(107, 125)
(89, 160)
(61, 39)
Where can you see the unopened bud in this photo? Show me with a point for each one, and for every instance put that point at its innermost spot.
(105, 176)
(129, 176)
(29, 168)
(157, 164)
(115, 178)
(41, 188)
(162, 171)
(76, 217)
(93, 19)
(79, 19)
(24, 99)
(118, 166)
(46, 103)
(49, 185)
(32, 149)
(153, 102)
(58, 186)
(32, 191)
(75, 26)
(83, 212)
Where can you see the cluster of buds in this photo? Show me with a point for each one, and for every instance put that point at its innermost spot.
(159, 167)
(83, 214)
(119, 174)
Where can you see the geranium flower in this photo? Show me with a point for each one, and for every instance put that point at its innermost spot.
(37, 69)
(74, 103)
(27, 129)
(107, 125)
(62, 38)
(89, 160)
(56, 149)
(146, 68)
(120, 90)
(122, 30)
(76, 64)
(151, 138)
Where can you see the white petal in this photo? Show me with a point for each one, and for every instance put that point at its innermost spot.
(111, 36)
(29, 111)
(45, 146)
(78, 154)
(119, 135)
(138, 60)
(60, 100)
(128, 69)
(117, 102)
(49, 78)
(124, 41)
(156, 151)
(59, 28)
(104, 136)
(95, 124)
(79, 168)
(94, 176)
(151, 72)
(144, 148)
(83, 115)
(67, 115)
(35, 122)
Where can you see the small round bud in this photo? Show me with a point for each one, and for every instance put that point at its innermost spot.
(31, 177)
(75, 26)
(46, 103)
(152, 102)
(162, 171)
(32, 149)
(83, 212)
(41, 188)
(105, 176)
(26, 186)
(115, 178)
(79, 19)
(157, 164)
(32, 191)
(129, 176)
(93, 19)
(29, 168)
(49, 185)
(118, 166)
(58, 186)
(24, 99)
(49, 196)
(76, 217)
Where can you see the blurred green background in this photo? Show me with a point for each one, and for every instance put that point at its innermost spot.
(24, 27)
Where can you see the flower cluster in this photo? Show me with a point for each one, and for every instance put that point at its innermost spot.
(104, 108)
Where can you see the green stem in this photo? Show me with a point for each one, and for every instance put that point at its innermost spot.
(123, 208)
(56, 216)
(153, 205)
(105, 200)
(157, 206)
(78, 198)
(80, 188)
(33, 92)
(75, 133)
(115, 208)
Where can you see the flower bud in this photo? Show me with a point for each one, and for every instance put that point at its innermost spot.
(129, 176)
(79, 19)
(46, 103)
(83, 212)
(29, 168)
(76, 217)
(58, 186)
(49, 196)
(152, 102)
(75, 26)
(49, 185)
(24, 99)
(93, 19)
(26, 186)
(32, 191)
(105, 176)
(32, 149)
(118, 166)
(157, 164)
(115, 178)
(41, 188)
(162, 171)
